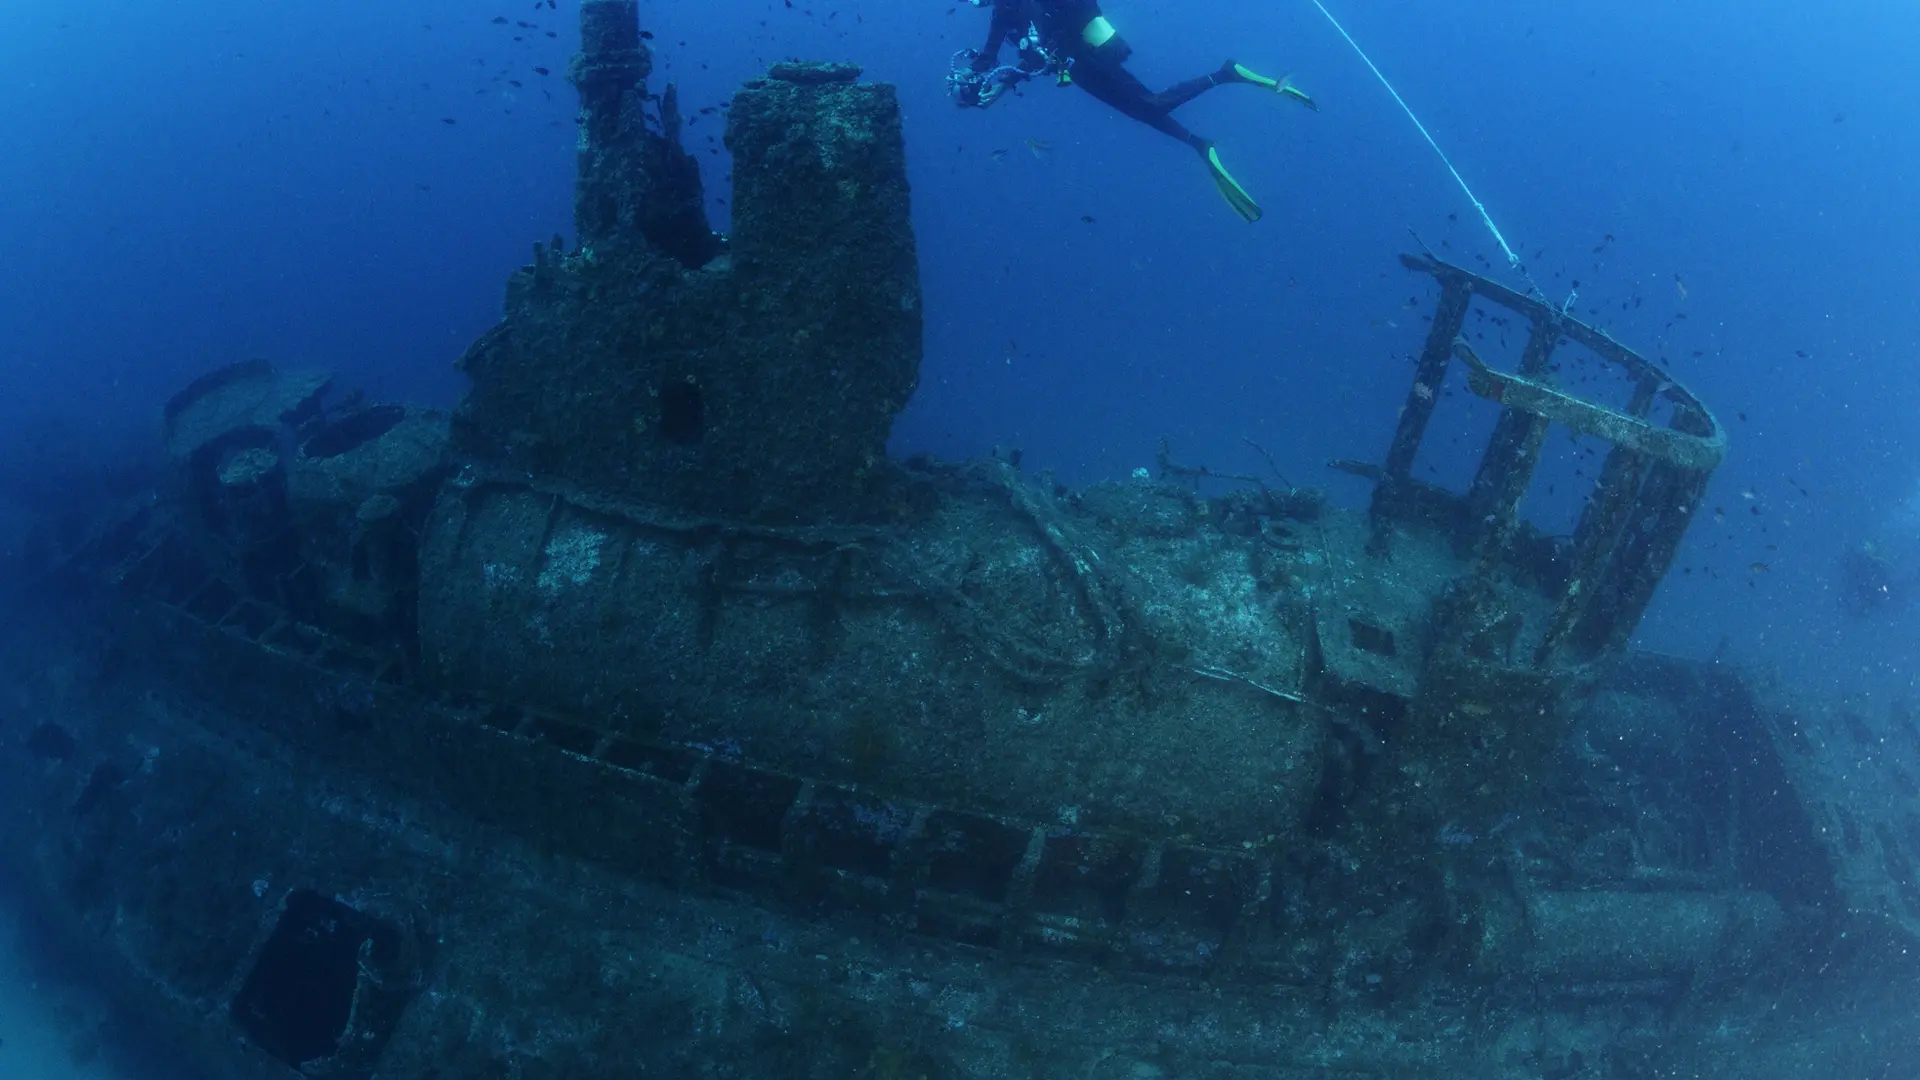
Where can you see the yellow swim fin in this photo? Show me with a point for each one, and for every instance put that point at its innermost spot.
(1230, 188)
(1282, 86)
(1247, 74)
(1287, 89)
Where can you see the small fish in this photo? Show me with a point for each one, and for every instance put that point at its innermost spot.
(448, 120)
(997, 155)
(1088, 218)
(1039, 147)
(499, 20)
(1680, 286)
(541, 71)
(1759, 567)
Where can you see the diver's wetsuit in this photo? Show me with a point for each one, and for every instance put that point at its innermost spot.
(1076, 30)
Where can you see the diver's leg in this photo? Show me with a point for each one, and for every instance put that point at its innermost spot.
(1127, 95)
(1180, 93)
(1113, 85)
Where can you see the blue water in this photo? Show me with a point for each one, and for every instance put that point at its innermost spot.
(189, 183)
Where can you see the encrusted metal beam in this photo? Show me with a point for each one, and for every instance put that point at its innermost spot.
(1645, 496)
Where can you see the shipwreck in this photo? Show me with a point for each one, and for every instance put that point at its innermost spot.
(641, 716)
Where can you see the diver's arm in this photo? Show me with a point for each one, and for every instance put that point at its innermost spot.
(1005, 14)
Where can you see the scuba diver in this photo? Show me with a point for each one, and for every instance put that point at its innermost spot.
(1071, 41)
